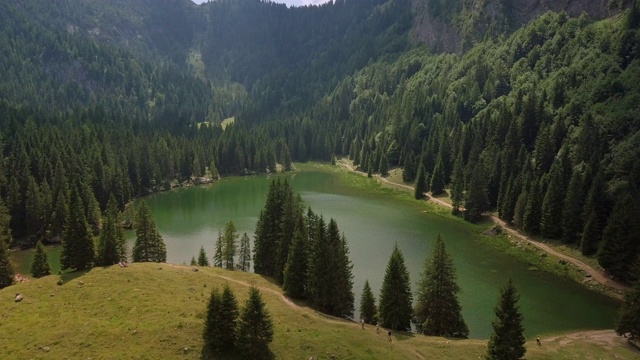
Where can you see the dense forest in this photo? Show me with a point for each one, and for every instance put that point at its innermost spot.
(538, 124)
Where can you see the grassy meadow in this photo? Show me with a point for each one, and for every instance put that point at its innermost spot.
(154, 311)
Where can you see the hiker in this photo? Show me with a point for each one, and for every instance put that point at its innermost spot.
(362, 322)
(378, 329)
(538, 340)
(389, 335)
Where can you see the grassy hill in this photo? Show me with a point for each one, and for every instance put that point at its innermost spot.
(154, 311)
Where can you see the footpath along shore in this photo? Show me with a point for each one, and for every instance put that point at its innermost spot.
(612, 287)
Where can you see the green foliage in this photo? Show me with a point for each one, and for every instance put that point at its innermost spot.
(628, 321)
(219, 333)
(229, 245)
(111, 246)
(437, 311)
(149, 246)
(217, 256)
(368, 309)
(507, 340)
(6, 269)
(244, 260)
(437, 178)
(202, 257)
(77, 244)
(421, 184)
(295, 273)
(255, 327)
(395, 295)
(40, 264)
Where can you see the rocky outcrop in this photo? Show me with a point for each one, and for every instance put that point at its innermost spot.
(454, 25)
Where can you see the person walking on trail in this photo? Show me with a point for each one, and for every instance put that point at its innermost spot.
(538, 340)
(362, 322)
(378, 329)
(389, 335)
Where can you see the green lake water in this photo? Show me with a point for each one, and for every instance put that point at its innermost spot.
(373, 222)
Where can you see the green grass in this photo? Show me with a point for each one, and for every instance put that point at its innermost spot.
(156, 311)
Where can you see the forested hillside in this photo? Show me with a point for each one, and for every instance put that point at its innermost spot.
(125, 98)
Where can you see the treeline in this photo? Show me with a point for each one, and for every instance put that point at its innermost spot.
(304, 254)
(541, 127)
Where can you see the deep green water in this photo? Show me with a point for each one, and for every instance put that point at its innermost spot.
(373, 222)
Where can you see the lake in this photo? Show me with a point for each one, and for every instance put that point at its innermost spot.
(373, 222)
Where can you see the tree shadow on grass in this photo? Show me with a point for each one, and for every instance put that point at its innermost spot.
(265, 354)
(70, 276)
(401, 335)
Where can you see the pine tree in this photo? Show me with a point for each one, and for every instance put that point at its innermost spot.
(421, 183)
(202, 257)
(395, 296)
(149, 246)
(229, 245)
(507, 340)
(295, 273)
(476, 200)
(551, 217)
(532, 211)
(409, 168)
(596, 211)
(621, 237)
(438, 312)
(437, 178)
(77, 244)
(109, 243)
(217, 255)
(6, 269)
(229, 318)
(383, 167)
(193, 262)
(255, 327)
(572, 222)
(244, 260)
(213, 325)
(368, 308)
(40, 263)
(457, 186)
(628, 321)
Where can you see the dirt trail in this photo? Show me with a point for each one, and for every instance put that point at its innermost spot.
(595, 274)
(294, 306)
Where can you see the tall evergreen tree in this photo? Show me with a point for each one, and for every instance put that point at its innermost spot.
(6, 269)
(40, 264)
(149, 245)
(476, 200)
(383, 167)
(507, 340)
(244, 260)
(214, 325)
(395, 296)
(295, 273)
(572, 221)
(421, 183)
(551, 212)
(109, 251)
(229, 245)
(621, 237)
(438, 312)
(265, 247)
(457, 186)
(217, 255)
(595, 213)
(532, 211)
(368, 309)
(77, 244)
(229, 318)
(437, 178)
(255, 327)
(202, 257)
(628, 321)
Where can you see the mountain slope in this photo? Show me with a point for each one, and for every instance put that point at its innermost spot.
(151, 311)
